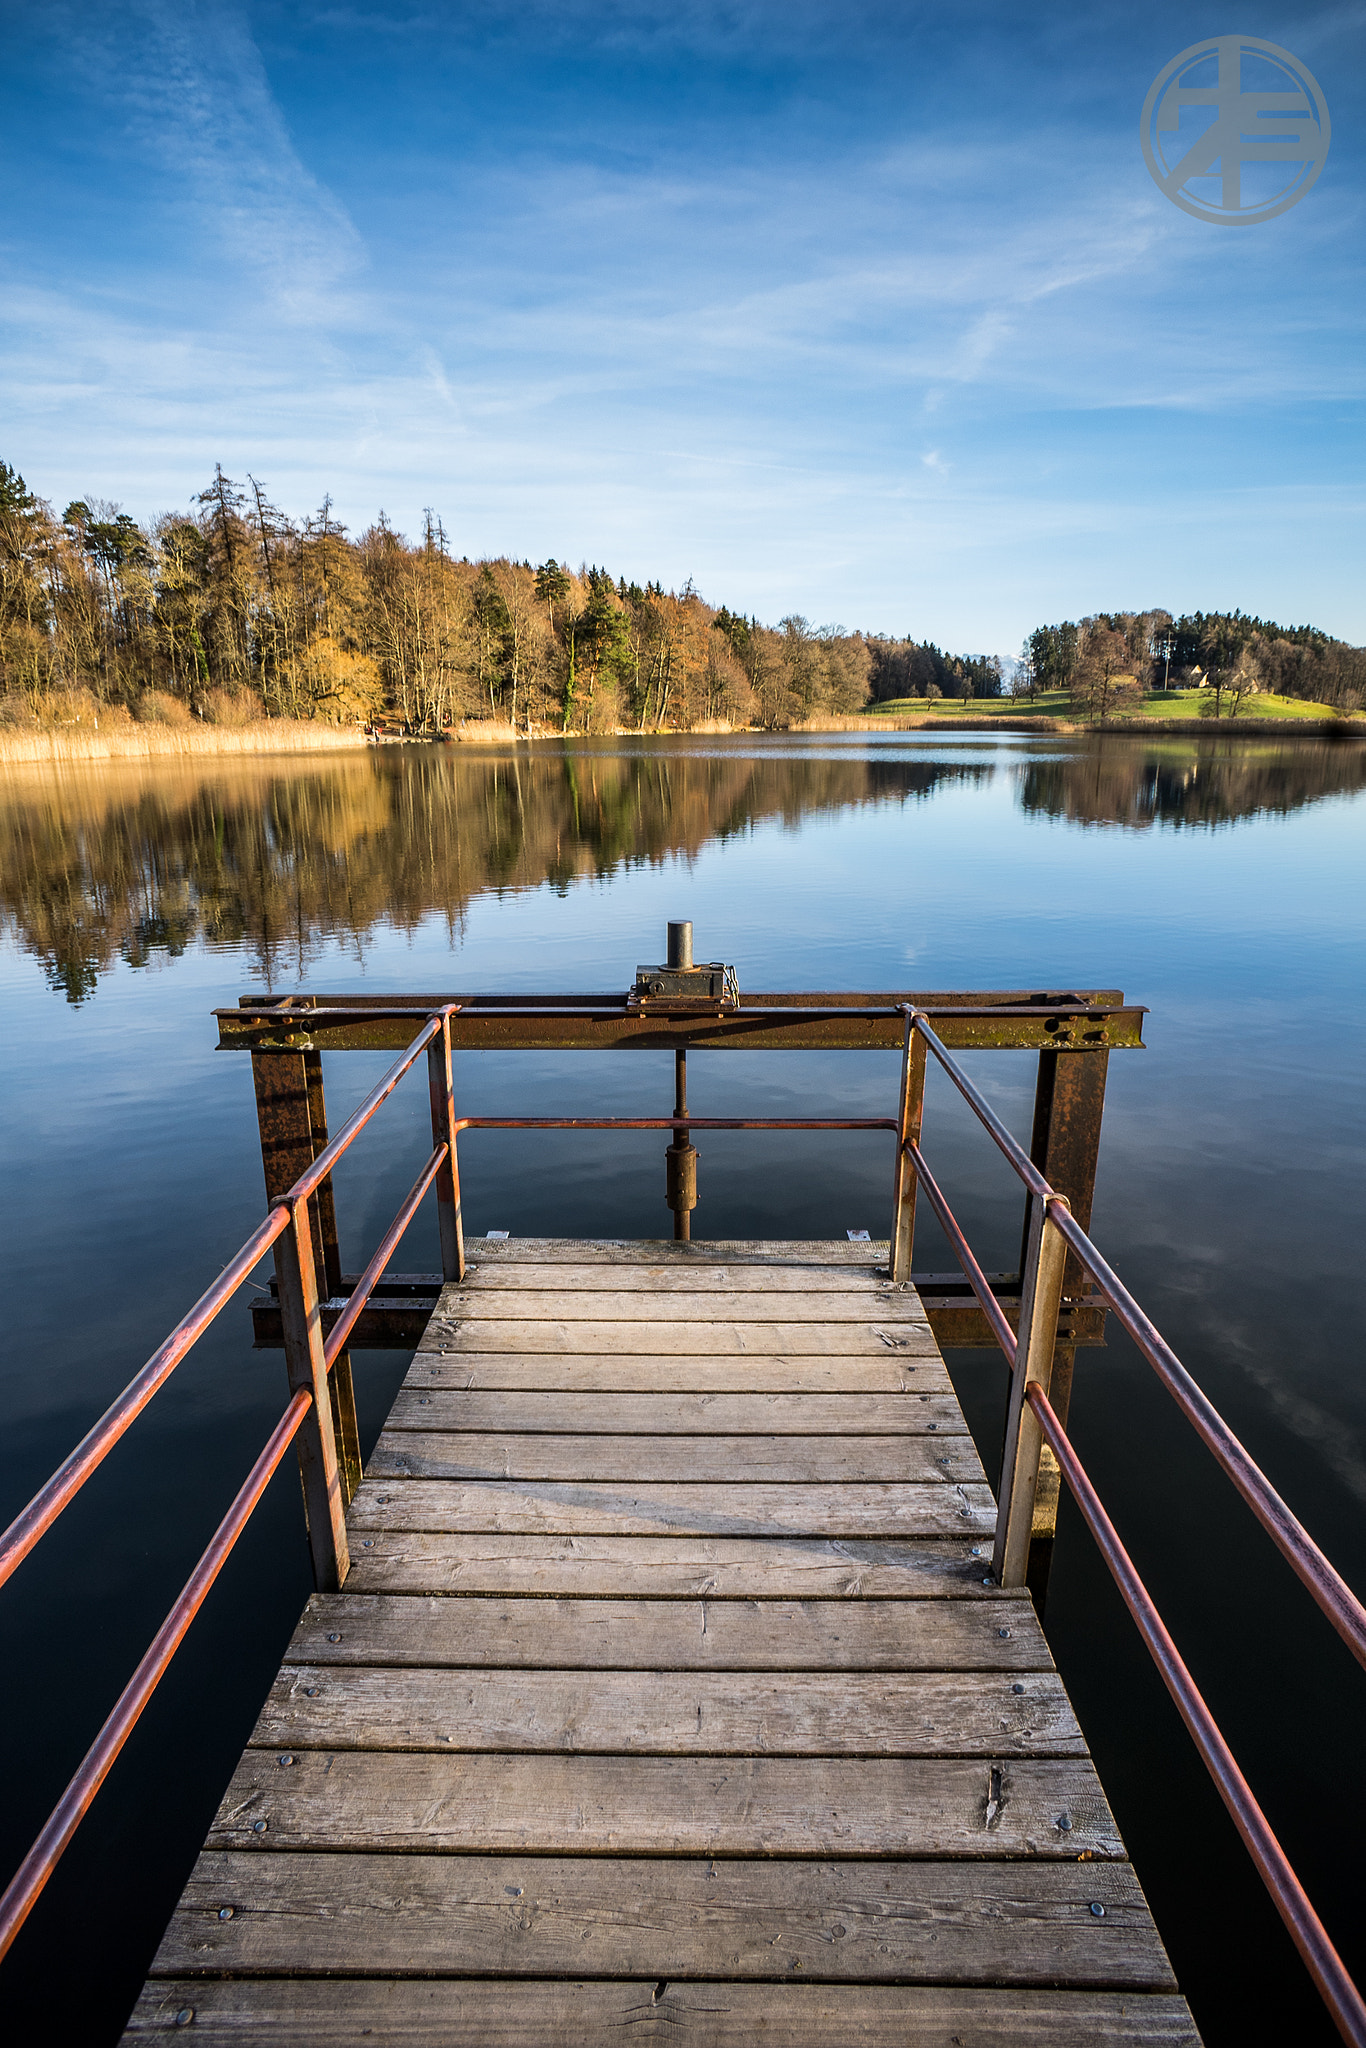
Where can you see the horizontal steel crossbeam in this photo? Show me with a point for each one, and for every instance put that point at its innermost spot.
(1089, 1020)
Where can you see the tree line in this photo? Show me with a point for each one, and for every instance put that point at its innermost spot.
(232, 610)
(1108, 660)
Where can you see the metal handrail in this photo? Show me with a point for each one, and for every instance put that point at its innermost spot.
(1306, 1930)
(977, 1102)
(952, 1229)
(1296, 1545)
(675, 1123)
(309, 1181)
(384, 1251)
(21, 1894)
(1333, 1596)
(58, 1492)
(1329, 1589)
(23, 1890)
(42, 1511)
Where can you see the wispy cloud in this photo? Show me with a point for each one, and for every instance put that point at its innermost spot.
(187, 79)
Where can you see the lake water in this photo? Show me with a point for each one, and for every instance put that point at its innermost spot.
(1219, 882)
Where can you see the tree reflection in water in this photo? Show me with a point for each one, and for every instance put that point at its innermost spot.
(122, 861)
(1123, 781)
(118, 862)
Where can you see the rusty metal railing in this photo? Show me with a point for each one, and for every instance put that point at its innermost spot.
(308, 1419)
(1032, 1422)
(312, 1419)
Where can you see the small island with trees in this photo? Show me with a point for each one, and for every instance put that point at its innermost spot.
(231, 613)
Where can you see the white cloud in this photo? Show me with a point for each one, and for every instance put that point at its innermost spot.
(188, 80)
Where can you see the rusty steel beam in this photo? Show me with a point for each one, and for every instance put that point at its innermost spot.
(386, 1324)
(863, 1023)
(1069, 1105)
(324, 1200)
(960, 1325)
(284, 1088)
(291, 1112)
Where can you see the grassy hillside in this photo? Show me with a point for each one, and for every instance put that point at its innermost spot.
(1156, 704)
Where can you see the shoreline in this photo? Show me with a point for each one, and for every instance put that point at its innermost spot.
(61, 745)
(1347, 726)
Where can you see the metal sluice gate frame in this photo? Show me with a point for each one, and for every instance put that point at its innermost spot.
(1059, 1259)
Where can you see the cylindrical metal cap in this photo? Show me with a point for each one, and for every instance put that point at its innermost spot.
(680, 944)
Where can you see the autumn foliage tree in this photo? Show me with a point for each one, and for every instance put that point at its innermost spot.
(233, 610)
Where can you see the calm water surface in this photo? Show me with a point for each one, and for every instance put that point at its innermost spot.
(1218, 882)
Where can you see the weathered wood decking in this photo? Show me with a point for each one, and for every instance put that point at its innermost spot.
(665, 1697)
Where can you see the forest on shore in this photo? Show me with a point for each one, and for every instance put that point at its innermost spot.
(1105, 663)
(231, 611)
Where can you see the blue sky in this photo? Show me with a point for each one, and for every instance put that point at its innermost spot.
(870, 312)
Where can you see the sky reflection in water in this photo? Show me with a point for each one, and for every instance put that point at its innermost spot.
(1216, 881)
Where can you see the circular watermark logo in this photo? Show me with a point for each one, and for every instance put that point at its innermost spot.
(1235, 130)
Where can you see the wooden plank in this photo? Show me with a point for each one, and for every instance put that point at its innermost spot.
(644, 1372)
(417, 1453)
(789, 1713)
(545, 1506)
(357, 1800)
(659, 1414)
(681, 1339)
(552, 1304)
(668, 1567)
(412, 2013)
(634, 1635)
(937, 1923)
(749, 1491)
(671, 1275)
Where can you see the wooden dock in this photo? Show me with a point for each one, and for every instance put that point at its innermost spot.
(665, 1696)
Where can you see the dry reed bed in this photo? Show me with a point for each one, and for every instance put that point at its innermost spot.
(168, 742)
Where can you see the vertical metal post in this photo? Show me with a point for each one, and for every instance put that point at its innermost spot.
(1069, 1104)
(443, 1133)
(680, 1159)
(301, 1319)
(324, 1199)
(910, 1110)
(291, 1112)
(1039, 1305)
(341, 1385)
